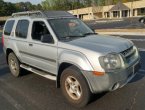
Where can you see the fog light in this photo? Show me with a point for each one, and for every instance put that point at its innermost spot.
(116, 86)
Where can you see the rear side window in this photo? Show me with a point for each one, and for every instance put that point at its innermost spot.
(9, 27)
(22, 28)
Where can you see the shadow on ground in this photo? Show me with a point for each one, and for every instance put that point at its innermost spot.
(4, 71)
(141, 73)
(3, 66)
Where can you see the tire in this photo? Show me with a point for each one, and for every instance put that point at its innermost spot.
(142, 20)
(71, 81)
(14, 65)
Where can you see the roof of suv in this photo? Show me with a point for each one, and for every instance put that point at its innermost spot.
(43, 14)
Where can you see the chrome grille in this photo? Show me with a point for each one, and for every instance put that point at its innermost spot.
(129, 53)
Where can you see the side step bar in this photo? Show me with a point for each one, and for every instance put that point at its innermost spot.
(38, 72)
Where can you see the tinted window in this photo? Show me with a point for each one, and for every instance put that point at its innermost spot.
(9, 27)
(69, 28)
(39, 28)
(22, 28)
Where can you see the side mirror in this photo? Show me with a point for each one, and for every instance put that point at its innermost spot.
(47, 38)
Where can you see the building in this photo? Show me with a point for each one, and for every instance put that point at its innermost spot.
(120, 10)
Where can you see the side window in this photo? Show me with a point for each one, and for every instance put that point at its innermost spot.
(38, 29)
(9, 27)
(22, 28)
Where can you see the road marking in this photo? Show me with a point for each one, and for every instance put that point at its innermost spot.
(141, 70)
(141, 74)
(141, 49)
(11, 100)
(140, 40)
(121, 33)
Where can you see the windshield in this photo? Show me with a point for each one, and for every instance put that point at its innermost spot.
(69, 28)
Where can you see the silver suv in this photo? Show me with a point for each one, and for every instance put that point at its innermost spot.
(60, 47)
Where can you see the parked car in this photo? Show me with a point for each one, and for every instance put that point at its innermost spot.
(60, 47)
(142, 20)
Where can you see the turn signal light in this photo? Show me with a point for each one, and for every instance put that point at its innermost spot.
(98, 73)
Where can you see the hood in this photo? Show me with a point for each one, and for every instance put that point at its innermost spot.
(102, 43)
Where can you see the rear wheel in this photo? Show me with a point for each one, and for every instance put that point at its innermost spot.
(74, 87)
(14, 65)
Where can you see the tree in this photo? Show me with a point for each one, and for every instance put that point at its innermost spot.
(45, 5)
(27, 6)
(6, 8)
(62, 4)
(87, 3)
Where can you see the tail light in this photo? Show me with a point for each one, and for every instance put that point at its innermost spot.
(2, 40)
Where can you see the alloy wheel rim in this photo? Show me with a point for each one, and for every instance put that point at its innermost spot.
(73, 88)
(13, 65)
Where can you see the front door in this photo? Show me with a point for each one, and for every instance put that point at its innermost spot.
(42, 55)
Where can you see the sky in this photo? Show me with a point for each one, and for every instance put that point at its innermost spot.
(32, 1)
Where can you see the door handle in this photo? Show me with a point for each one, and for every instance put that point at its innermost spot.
(31, 45)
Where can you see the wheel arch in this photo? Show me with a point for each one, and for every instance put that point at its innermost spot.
(8, 51)
(71, 58)
(61, 68)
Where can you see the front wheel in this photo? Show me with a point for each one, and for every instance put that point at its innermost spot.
(74, 87)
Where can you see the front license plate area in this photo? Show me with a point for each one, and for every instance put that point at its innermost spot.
(133, 70)
(136, 68)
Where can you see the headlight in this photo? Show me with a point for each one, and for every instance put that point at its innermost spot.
(111, 62)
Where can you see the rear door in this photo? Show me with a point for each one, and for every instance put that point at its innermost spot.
(42, 55)
(21, 38)
(7, 33)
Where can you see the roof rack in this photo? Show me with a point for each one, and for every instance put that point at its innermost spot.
(29, 13)
(44, 14)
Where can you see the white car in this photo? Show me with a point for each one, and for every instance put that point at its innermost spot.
(60, 47)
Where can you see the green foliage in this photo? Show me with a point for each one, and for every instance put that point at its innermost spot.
(46, 5)
(27, 6)
(4, 7)
(99, 2)
(63, 4)
(7, 8)
(70, 4)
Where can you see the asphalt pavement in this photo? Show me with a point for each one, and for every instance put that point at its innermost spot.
(33, 92)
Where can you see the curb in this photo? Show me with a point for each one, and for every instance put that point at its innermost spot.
(141, 49)
(123, 33)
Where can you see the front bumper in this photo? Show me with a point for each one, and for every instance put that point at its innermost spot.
(111, 81)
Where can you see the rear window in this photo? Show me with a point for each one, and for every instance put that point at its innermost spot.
(22, 29)
(9, 27)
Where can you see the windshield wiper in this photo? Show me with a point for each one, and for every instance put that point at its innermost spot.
(90, 33)
(70, 37)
